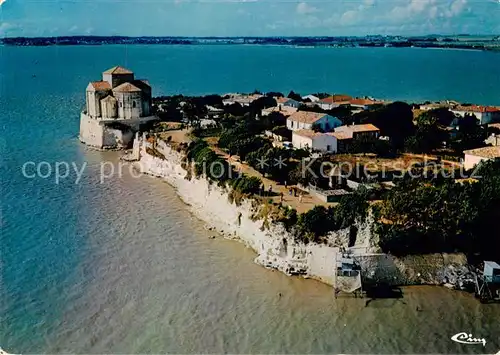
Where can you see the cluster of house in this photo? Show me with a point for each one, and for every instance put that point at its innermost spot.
(338, 137)
(484, 114)
(487, 116)
(288, 105)
(332, 136)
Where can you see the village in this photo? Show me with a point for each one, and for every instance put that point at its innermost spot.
(331, 160)
(341, 129)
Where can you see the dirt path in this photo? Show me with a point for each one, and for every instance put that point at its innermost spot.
(308, 201)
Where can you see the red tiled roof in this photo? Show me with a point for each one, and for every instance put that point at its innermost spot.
(358, 128)
(341, 135)
(100, 85)
(118, 70)
(476, 108)
(364, 102)
(127, 87)
(306, 116)
(486, 152)
(307, 133)
(335, 98)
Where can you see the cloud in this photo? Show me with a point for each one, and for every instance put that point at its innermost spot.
(73, 29)
(456, 8)
(2, 2)
(350, 17)
(304, 9)
(433, 11)
(6, 27)
(421, 10)
(415, 7)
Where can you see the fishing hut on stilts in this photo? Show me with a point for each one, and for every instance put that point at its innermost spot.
(488, 282)
(348, 276)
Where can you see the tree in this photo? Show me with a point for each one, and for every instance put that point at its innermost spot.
(271, 161)
(352, 208)
(394, 120)
(470, 134)
(321, 95)
(234, 109)
(428, 136)
(273, 120)
(294, 96)
(247, 184)
(442, 115)
(274, 94)
(315, 223)
(440, 215)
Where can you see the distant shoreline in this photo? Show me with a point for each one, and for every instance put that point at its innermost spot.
(486, 43)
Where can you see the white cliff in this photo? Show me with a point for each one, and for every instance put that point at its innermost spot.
(275, 247)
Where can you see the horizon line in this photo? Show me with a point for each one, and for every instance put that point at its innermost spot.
(264, 36)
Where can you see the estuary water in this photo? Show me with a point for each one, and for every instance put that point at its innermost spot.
(121, 266)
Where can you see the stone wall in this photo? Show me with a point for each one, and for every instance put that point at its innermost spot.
(91, 132)
(96, 134)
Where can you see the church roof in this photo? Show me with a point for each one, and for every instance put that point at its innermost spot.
(127, 87)
(100, 85)
(118, 70)
(142, 84)
(109, 98)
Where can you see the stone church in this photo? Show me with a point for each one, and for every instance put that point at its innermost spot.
(115, 108)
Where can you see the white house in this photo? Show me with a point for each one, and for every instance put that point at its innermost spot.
(357, 131)
(306, 119)
(494, 138)
(347, 134)
(475, 156)
(243, 100)
(284, 110)
(308, 139)
(485, 114)
(287, 102)
(333, 101)
(363, 104)
(312, 98)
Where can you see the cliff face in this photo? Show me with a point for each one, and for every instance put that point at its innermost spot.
(275, 247)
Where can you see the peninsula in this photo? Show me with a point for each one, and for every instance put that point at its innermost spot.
(350, 191)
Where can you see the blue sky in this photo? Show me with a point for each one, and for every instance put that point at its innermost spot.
(247, 17)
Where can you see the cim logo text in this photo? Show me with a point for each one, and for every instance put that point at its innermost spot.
(464, 338)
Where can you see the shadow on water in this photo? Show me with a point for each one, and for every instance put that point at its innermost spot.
(383, 291)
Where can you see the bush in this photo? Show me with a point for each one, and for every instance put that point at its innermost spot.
(440, 215)
(246, 184)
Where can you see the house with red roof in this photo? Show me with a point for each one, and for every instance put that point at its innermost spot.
(333, 101)
(306, 120)
(485, 114)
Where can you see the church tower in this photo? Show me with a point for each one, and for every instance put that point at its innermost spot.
(117, 76)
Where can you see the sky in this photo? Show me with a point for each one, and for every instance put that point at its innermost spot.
(247, 17)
